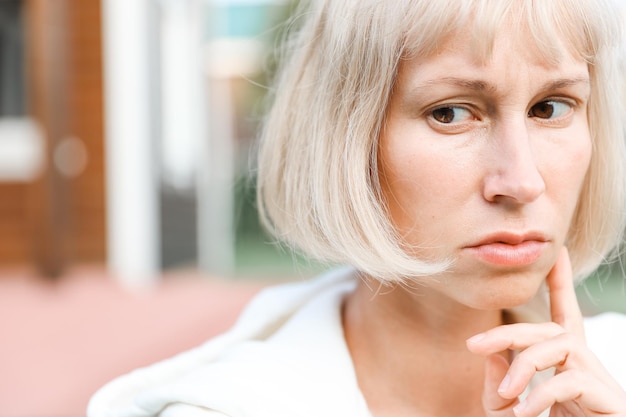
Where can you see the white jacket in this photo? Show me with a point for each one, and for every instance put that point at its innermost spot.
(285, 357)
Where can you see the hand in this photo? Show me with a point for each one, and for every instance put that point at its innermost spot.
(580, 387)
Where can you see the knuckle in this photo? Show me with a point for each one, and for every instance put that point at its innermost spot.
(556, 328)
(568, 339)
(571, 348)
(575, 380)
(523, 361)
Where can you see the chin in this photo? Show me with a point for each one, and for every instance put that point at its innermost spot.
(506, 291)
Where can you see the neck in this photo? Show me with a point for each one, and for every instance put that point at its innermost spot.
(408, 348)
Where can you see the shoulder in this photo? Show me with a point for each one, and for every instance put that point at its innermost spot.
(606, 337)
(288, 341)
(185, 410)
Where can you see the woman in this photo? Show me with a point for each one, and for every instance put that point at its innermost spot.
(463, 158)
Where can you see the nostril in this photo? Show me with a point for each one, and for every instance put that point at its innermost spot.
(510, 187)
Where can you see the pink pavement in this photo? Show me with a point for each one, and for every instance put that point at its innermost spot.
(61, 341)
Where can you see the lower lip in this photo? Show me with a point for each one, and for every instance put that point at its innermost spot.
(503, 254)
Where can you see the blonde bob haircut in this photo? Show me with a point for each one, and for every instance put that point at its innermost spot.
(318, 181)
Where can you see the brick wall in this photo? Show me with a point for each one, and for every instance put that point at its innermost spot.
(59, 220)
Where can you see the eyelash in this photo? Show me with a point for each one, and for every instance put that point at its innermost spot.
(454, 108)
(570, 107)
(451, 126)
(554, 102)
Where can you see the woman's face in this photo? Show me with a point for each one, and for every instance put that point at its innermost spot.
(483, 163)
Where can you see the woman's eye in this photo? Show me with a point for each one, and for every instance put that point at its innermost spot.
(451, 114)
(550, 109)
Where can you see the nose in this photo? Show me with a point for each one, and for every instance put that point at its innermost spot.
(513, 176)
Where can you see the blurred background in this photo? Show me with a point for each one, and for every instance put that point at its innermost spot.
(128, 227)
(126, 131)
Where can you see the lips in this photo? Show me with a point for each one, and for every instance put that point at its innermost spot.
(510, 249)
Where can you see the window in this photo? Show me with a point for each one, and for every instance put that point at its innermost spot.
(20, 140)
(12, 90)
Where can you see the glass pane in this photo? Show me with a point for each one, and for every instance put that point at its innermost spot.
(12, 96)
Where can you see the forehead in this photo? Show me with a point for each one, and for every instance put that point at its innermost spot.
(512, 75)
(512, 52)
(547, 29)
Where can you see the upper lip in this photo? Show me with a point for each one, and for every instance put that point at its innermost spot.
(510, 238)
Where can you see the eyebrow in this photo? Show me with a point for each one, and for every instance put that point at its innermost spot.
(565, 82)
(483, 86)
(476, 85)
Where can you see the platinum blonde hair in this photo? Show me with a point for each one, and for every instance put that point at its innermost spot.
(318, 180)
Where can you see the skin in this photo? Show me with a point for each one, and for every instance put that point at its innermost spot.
(473, 150)
(581, 386)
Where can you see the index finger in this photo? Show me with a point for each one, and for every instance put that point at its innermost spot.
(564, 307)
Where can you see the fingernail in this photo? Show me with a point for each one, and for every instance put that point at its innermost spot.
(504, 385)
(519, 408)
(477, 338)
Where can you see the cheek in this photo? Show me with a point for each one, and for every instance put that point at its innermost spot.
(569, 169)
(398, 180)
(420, 189)
(401, 172)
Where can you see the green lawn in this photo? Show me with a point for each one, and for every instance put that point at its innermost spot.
(603, 291)
(260, 259)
